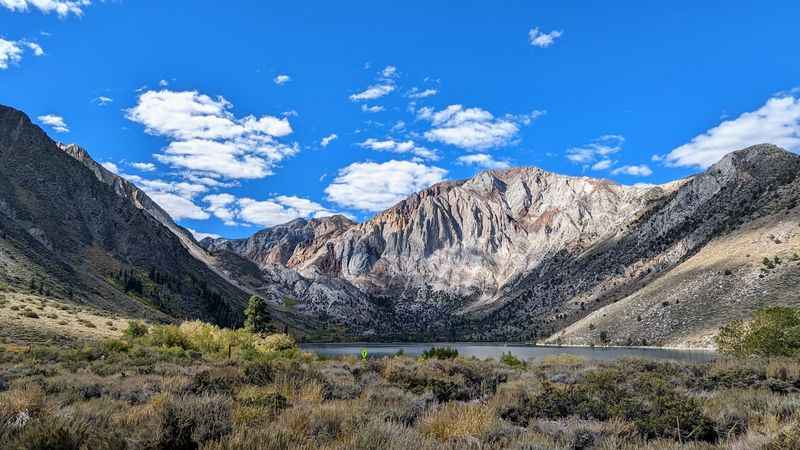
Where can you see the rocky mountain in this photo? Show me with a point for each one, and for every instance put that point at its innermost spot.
(287, 245)
(520, 254)
(75, 231)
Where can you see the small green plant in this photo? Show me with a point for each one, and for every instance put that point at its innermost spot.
(510, 360)
(768, 263)
(364, 354)
(136, 329)
(440, 353)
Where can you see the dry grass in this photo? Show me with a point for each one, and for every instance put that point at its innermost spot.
(27, 318)
(458, 420)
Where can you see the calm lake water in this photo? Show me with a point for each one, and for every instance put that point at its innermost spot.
(524, 352)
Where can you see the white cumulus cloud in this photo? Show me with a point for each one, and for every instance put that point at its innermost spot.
(541, 39)
(473, 128)
(776, 122)
(57, 123)
(370, 186)
(269, 212)
(144, 166)
(205, 136)
(178, 207)
(61, 7)
(10, 53)
(175, 197)
(111, 167)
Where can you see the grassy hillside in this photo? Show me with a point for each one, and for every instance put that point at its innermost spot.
(685, 307)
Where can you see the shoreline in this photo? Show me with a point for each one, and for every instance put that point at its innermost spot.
(509, 344)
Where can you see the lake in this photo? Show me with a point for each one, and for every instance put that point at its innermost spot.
(524, 352)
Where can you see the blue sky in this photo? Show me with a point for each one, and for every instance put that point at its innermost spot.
(227, 115)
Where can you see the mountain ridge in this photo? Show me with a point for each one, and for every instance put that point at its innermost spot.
(519, 254)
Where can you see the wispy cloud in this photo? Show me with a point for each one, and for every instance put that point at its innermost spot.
(636, 171)
(373, 92)
(599, 149)
(390, 145)
(328, 139)
(416, 93)
(482, 160)
(282, 79)
(35, 48)
(372, 109)
(389, 72)
(102, 100)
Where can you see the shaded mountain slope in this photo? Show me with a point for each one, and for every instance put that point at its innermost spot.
(73, 233)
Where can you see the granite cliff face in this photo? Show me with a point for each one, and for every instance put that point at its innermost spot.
(470, 238)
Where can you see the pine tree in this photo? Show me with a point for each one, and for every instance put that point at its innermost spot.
(257, 317)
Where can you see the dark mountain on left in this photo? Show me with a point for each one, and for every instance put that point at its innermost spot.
(72, 230)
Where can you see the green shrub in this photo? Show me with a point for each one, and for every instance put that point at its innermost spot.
(440, 353)
(512, 361)
(277, 343)
(116, 346)
(189, 422)
(772, 332)
(136, 329)
(168, 336)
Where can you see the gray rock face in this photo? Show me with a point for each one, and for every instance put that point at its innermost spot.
(472, 237)
(287, 245)
(512, 254)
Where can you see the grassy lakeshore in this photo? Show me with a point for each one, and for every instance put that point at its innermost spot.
(199, 387)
